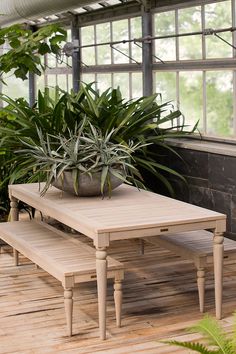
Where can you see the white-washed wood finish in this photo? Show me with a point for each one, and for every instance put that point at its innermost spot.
(160, 301)
(130, 213)
(195, 246)
(66, 258)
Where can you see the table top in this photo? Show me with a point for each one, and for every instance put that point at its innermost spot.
(127, 211)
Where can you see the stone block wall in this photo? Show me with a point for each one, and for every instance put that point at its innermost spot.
(211, 182)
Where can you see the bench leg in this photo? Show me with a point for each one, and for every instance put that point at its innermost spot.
(201, 287)
(16, 257)
(68, 300)
(118, 300)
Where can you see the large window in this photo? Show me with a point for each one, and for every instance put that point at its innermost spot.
(198, 72)
(113, 65)
(58, 72)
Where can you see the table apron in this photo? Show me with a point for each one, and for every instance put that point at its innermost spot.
(214, 225)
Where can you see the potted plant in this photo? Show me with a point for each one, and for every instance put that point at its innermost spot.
(85, 162)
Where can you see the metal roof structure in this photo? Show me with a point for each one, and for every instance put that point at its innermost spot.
(38, 12)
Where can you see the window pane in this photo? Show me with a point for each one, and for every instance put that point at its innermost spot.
(165, 25)
(87, 78)
(216, 48)
(103, 82)
(51, 61)
(40, 83)
(166, 86)
(87, 37)
(190, 21)
(103, 35)
(136, 32)
(51, 84)
(220, 103)
(218, 15)
(191, 103)
(70, 82)
(62, 82)
(137, 85)
(122, 80)
(15, 88)
(120, 32)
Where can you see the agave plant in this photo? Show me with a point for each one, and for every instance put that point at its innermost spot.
(83, 152)
(217, 340)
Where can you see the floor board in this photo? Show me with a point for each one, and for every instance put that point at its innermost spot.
(160, 301)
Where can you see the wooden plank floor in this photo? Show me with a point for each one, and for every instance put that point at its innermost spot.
(160, 301)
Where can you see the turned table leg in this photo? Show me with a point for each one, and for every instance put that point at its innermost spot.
(218, 253)
(14, 216)
(101, 267)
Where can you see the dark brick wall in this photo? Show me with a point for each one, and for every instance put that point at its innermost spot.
(211, 182)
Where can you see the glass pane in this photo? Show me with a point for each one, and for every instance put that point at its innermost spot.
(104, 55)
(87, 37)
(15, 88)
(166, 86)
(136, 32)
(87, 78)
(40, 83)
(103, 35)
(70, 83)
(191, 98)
(51, 84)
(216, 48)
(190, 48)
(190, 21)
(122, 80)
(103, 82)
(137, 85)
(218, 15)
(164, 24)
(51, 60)
(62, 82)
(120, 32)
(220, 103)
(165, 49)
(88, 56)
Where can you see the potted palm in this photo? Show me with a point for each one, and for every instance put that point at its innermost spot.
(84, 162)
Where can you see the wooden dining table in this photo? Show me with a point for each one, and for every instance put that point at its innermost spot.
(129, 213)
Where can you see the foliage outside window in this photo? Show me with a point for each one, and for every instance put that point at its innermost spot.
(201, 87)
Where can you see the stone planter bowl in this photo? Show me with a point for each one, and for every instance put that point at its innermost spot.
(87, 186)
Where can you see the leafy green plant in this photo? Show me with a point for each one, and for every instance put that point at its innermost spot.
(217, 340)
(85, 151)
(140, 121)
(26, 47)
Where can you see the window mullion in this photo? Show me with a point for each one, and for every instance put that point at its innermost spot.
(204, 102)
(233, 7)
(177, 32)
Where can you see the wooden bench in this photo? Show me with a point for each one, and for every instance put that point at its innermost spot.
(64, 257)
(195, 246)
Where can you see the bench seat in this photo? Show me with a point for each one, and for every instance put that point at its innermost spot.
(196, 246)
(61, 255)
